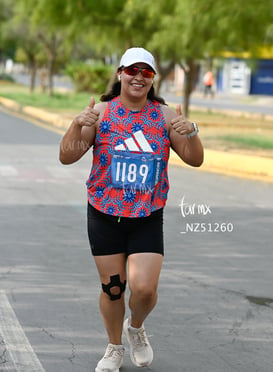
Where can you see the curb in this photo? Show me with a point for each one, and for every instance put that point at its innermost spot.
(36, 113)
(239, 165)
(230, 164)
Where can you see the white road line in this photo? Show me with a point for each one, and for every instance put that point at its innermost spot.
(8, 170)
(16, 342)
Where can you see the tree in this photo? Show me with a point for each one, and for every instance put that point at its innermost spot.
(143, 20)
(176, 31)
(17, 30)
(7, 45)
(39, 41)
(58, 34)
(52, 42)
(199, 29)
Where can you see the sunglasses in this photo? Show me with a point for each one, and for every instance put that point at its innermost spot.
(134, 70)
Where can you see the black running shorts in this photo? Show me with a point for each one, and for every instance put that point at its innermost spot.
(111, 235)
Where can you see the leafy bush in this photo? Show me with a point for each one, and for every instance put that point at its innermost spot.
(89, 78)
(6, 77)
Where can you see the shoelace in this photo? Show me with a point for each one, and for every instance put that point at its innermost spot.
(113, 353)
(140, 338)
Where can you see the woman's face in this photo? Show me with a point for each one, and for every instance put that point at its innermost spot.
(136, 86)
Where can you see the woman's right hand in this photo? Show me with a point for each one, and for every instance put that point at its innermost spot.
(88, 117)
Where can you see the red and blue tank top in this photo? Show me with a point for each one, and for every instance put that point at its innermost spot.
(130, 157)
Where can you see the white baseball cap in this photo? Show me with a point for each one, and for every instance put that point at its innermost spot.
(135, 55)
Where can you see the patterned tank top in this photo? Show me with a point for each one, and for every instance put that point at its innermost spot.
(130, 157)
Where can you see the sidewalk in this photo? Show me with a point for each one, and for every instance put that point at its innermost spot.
(247, 166)
(231, 104)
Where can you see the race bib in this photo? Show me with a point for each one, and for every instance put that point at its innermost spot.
(135, 171)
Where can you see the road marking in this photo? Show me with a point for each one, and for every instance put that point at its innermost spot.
(15, 340)
(8, 170)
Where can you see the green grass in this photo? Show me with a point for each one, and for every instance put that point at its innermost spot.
(249, 140)
(71, 102)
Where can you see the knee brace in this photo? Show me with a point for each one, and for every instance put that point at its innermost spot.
(114, 282)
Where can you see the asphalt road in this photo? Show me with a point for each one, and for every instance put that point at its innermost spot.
(228, 102)
(215, 309)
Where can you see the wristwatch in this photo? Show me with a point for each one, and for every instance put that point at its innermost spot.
(195, 131)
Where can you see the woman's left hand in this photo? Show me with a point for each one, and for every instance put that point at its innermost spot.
(180, 124)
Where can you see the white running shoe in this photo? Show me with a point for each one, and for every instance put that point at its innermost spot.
(141, 352)
(112, 359)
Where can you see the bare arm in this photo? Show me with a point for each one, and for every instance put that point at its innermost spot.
(80, 136)
(190, 150)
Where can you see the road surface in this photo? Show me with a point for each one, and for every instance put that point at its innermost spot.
(215, 308)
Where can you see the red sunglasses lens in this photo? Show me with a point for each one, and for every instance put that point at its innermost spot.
(148, 73)
(133, 71)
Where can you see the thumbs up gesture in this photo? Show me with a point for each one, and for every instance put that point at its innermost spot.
(89, 116)
(180, 124)
(92, 102)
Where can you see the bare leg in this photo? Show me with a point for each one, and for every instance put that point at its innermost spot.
(112, 311)
(144, 270)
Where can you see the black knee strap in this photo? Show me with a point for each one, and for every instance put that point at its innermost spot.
(114, 282)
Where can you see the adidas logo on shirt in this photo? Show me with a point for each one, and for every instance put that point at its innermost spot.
(136, 143)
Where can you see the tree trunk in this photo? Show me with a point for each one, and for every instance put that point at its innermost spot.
(50, 75)
(163, 72)
(51, 46)
(191, 71)
(158, 83)
(32, 70)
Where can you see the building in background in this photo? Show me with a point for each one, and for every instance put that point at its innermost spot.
(237, 77)
(262, 78)
(242, 74)
(234, 74)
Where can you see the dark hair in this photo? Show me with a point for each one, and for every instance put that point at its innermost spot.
(115, 91)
